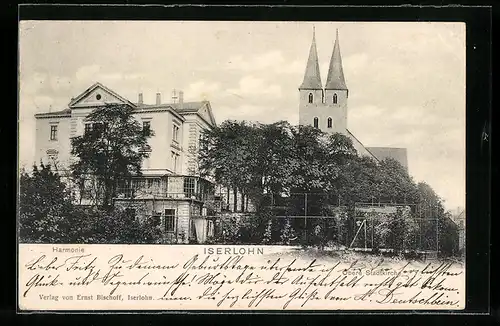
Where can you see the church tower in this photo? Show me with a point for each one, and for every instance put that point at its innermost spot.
(328, 108)
(336, 91)
(311, 89)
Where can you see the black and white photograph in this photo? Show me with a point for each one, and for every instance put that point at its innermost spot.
(331, 141)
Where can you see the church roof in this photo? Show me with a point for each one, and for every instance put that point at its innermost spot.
(354, 138)
(335, 79)
(312, 76)
(398, 154)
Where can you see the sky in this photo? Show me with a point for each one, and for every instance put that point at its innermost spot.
(406, 80)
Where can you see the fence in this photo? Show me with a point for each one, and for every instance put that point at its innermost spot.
(308, 219)
(312, 219)
(370, 234)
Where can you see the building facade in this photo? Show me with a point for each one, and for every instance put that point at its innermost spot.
(170, 189)
(326, 107)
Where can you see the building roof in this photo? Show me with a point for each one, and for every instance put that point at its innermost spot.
(75, 101)
(312, 76)
(202, 108)
(188, 107)
(185, 108)
(398, 154)
(54, 114)
(335, 79)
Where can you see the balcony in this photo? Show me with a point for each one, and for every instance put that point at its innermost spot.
(167, 187)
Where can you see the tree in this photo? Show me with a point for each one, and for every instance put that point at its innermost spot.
(275, 162)
(448, 236)
(430, 205)
(396, 185)
(437, 228)
(226, 153)
(251, 159)
(45, 204)
(111, 152)
(358, 180)
(313, 170)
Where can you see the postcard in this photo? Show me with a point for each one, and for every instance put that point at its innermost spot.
(241, 165)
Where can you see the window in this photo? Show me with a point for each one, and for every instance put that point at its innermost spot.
(329, 123)
(316, 122)
(210, 229)
(175, 133)
(138, 186)
(192, 228)
(189, 187)
(169, 220)
(153, 183)
(98, 97)
(334, 98)
(53, 132)
(175, 161)
(88, 128)
(146, 127)
(310, 97)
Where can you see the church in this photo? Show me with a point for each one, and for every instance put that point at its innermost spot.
(326, 107)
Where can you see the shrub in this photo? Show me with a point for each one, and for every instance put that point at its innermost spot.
(288, 233)
(267, 237)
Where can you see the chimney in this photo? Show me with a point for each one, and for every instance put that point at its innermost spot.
(158, 98)
(141, 100)
(174, 96)
(181, 100)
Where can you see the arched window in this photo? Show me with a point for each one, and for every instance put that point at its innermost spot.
(310, 97)
(316, 122)
(334, 98)
(329, 123)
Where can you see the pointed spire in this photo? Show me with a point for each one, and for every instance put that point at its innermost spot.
(335, 79)
(312, 77)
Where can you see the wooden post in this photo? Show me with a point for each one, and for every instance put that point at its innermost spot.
(305, 217)
(373, 225)
(356, 235)
(437, 236)
(365, 235)
(235, 200)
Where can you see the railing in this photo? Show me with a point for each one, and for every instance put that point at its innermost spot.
(158, 194)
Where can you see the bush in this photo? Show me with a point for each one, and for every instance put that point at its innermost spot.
(288, 233)
(230, 229)
(448, 238)
(396, 231)
(267, 237)
(44, 206)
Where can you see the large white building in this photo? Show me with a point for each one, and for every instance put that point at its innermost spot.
(170, 189)
(326, 107)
